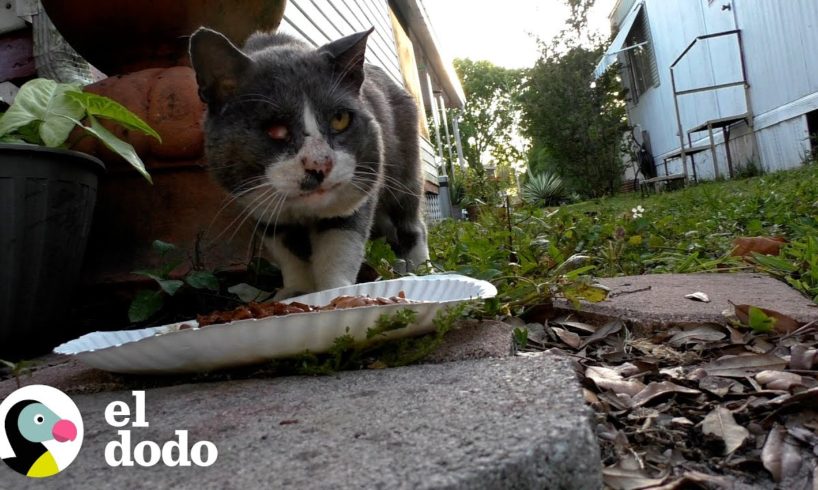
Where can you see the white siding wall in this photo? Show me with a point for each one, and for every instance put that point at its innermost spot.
(784, 145)
(321, 21)
(779, 44)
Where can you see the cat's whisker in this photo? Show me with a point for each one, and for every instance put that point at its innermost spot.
(246, 211)
(274, 215)
(269, 196)
(262, 216)
(346, 70)
(389, 181)
(230, 199)
(253, 97)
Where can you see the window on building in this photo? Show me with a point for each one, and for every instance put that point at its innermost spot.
(642, 72)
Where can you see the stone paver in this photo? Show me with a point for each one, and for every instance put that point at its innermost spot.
(490, 423)
(664, 303)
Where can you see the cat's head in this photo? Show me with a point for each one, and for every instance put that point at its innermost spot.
(287, 131)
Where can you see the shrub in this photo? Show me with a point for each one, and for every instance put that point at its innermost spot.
(544, 189)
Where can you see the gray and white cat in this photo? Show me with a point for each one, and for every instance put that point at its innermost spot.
(319, 147)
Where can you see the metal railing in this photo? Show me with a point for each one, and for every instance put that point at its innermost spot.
(677, 93)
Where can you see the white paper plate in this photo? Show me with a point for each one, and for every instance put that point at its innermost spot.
(253, 341)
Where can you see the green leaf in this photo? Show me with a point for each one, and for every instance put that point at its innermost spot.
(248, 293)
(44, 101)
(163, 247)
(774, 262)
(760, 321)
(121, 148)
(170, 286)
(98, 105)
(590, 292)
(521, 337)
(145, 305)
(203, 280)
(386, 322)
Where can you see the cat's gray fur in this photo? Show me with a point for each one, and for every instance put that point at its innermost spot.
(316, 238)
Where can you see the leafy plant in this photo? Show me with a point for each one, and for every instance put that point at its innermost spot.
(148, 302)
(543, 189)
(520, 337)
(457, 191)
(381, 257)
(46, 112)
(18, 368)
(377, 352)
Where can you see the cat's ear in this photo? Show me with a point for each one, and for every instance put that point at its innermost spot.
(347, 57)
(219, 65)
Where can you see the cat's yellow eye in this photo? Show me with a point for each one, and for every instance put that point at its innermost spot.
(340, 121)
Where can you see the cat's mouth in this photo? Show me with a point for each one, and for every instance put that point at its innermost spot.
(319, 191)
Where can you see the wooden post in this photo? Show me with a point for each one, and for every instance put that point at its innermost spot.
(726, 132)
(713, 149)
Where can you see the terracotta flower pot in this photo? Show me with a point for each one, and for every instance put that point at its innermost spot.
(120, 36)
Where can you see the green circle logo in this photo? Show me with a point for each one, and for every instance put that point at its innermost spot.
(40, 431)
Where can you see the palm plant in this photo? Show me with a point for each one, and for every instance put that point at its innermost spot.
(543, 189)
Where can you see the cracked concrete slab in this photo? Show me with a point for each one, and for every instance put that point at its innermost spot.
(490, 423)
(659, 299)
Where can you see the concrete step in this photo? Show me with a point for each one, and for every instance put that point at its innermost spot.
(518, 422)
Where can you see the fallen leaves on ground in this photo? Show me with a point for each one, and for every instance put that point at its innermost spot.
(697, 406)
(746, 246)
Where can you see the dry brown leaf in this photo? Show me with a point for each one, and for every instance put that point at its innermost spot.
(628, 369)
(569, 338)
(717, 385)
(628, 479)
(720, 423)
(771, 452)
(745, 246)
(805, 400)
(609, 328)
(677, 372)
(736, 336)
(664, 352)
(575, 325)
(782, 323)
(609, 379)
(590, 397)
(781, 455)
(655, 390)
(802, 357)
(745, 365)
(778, 380)
(704, 333)
(696, 479)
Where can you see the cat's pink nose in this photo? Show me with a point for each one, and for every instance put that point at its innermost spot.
(319, 165)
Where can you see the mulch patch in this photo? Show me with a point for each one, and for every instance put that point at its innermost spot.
(699, 405)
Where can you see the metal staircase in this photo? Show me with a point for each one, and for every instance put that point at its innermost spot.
(724, 123)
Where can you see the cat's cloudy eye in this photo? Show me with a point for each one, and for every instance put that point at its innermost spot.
(278, 132)
(340, 121)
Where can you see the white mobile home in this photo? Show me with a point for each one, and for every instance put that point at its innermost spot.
(700, 72)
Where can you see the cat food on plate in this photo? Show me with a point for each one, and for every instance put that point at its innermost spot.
(276, 308)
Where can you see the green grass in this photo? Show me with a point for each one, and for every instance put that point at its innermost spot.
(691, 230)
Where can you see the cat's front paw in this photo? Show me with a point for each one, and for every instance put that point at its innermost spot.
(285, 293)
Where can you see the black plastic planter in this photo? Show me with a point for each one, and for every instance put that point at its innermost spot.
(47, 199)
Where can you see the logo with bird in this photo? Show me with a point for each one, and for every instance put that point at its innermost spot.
(42, 428)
